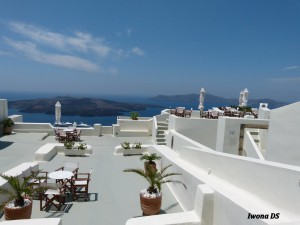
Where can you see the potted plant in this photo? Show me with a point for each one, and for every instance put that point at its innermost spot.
(8, 125)
(151, 198)
(18, 204)
(135, 149)
(134, 115)
(125, 145)
(69, 144)
(72, 149)
(149, 161)
(81, 146)
(137, 145)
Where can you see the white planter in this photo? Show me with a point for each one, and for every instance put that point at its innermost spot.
(120, 151)
(75, 152)
(132, 151)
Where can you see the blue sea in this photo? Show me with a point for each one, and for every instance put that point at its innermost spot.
(103, 120)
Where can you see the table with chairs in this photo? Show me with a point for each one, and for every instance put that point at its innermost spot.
(181, 112)
(56, 186)
(67, 134)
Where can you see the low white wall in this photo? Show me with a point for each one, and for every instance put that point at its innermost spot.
(34, 127)
(127, 127)
(200, 130)
(281, 190)
(227, 176)
(177, 141)
(106, 130)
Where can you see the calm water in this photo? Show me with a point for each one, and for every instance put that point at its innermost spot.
(104, 120)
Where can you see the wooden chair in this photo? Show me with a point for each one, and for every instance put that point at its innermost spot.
(76, 134)
(37, 179)
(173, 111)
(187, 113)
(80, 185)
(59, 136)
(180, 111)
(72, 167)
(54, 196)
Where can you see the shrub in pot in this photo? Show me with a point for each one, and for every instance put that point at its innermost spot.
(151, 198)
(134, 115)
(18, 203)
(8, 125)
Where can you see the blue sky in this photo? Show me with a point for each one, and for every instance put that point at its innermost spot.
(146, 48)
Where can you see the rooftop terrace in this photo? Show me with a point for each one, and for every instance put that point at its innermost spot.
(113, 194)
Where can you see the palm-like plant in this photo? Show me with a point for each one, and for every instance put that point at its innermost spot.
(156, 179)
(17, 191)
(150, 158)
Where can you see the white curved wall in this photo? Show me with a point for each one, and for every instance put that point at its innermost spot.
(284, 131)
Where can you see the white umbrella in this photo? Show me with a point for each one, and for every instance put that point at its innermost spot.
(57, 112)
(201, 99)
(241, 98)
(245, 97)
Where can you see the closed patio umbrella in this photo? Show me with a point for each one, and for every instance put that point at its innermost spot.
(57, 113)
(241, 98)
(201, 100)
(245, 97)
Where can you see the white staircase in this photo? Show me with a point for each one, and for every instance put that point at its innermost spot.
(160, 135)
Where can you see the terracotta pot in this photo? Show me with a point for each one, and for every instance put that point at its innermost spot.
(150, 206)
(7, 130)
(18, 213)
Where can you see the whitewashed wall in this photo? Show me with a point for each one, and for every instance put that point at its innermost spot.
(203, 131)
(284, 135)
(241, 185)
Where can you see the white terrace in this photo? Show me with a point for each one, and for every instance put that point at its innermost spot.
(234, 168)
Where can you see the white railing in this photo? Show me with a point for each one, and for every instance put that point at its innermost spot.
(251, 147)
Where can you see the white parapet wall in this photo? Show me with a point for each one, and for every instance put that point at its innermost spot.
(22, 127)
(127, 127)
(241, 185)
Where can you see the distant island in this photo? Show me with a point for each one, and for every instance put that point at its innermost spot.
(72, 106)
(90, 107)
(216, 101)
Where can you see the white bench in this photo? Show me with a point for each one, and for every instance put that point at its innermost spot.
(44, 221)
(46, 152)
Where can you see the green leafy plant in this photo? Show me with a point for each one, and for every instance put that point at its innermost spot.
(7, 122)
(69, 144)
(134, 115)
(137, 145)
(150, 158)
(125, 145)
(18, 190)
(82, 146)
(156, 179)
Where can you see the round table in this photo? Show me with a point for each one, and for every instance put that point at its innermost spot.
(60, 175)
